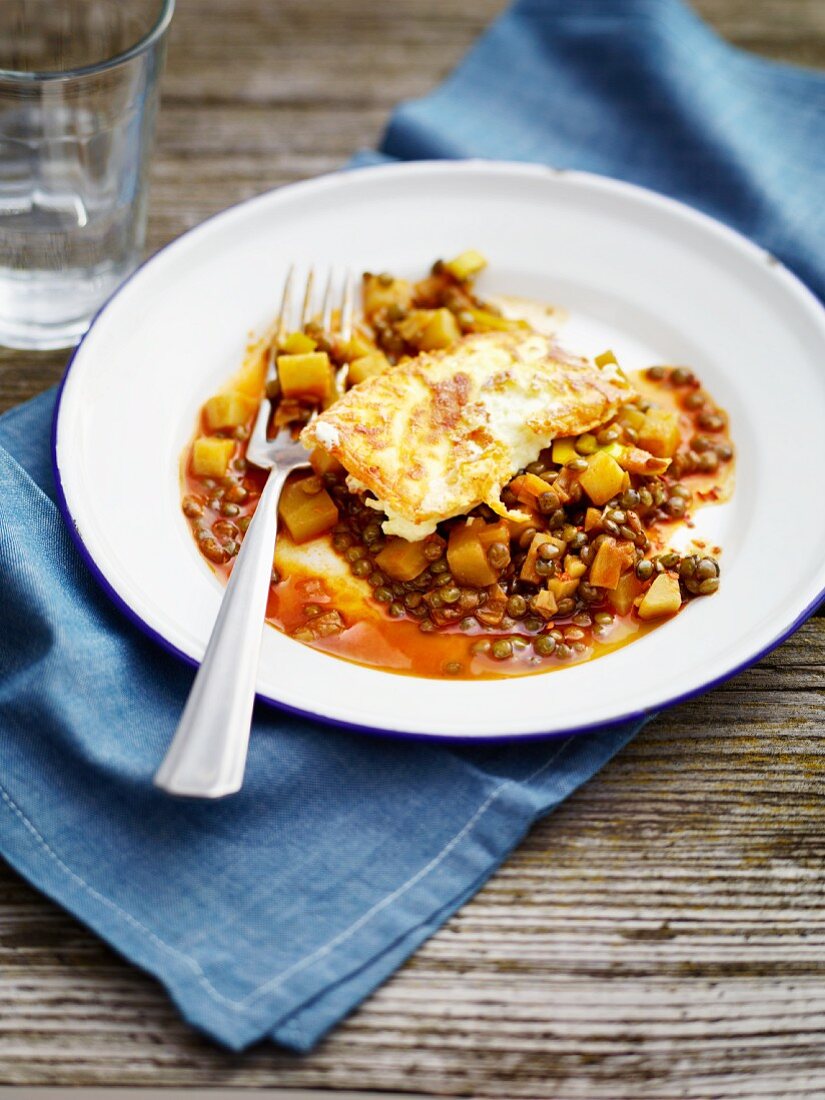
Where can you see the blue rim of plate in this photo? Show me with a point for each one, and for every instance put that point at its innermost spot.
(637, 716)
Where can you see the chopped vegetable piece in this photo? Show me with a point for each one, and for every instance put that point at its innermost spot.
(592, 519)
(660, 433)
(527, 488)
(306, 515)
(402, 560)
(210, 456)
(305, 375)
(637, 461)
(441, 332)
(359, 345)
(528, 570)
(610, 562)
(228, 410)
(562, 589)
(322, 462)
(564, 451)
(381, 291)
(298, 343)
(365, 366)
(603, 477)
(574, 567)
(249, 380)
(545, 604)
(622, 597)
(662, 598)
(631, 417)
(605, 358)
(467, 552)
(466, 265)
(517, 527)
(493, 322)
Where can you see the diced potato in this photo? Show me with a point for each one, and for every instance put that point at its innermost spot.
(517, 527)
(610, 562)
(574, 567)
(605, 358)
(367, 366)
(298, 343)
(467, 552)
(662, 598)
(603, 477)
(527, 488)
(402, 560)
(359, 344)
(637, 461)
(621, 598)
(381, 291)
(528, 570)
(306, 515)
(631, 417)
(441, 332)
(615, 450)
(563, 589)
(486, 321)
(493, 610)
(322, 462)
(564, 451)
(210, 456)
(466, 265)
(592, 519)
(544, 604)
(306, 375)
(228, 410)
(659, 433)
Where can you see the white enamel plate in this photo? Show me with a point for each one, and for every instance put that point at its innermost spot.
(645, 276)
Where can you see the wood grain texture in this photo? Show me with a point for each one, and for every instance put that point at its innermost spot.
(663, 934)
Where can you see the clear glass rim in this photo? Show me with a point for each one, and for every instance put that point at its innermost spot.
(153, 35)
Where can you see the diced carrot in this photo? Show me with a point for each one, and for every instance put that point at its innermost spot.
(528, 570)
(610, 562)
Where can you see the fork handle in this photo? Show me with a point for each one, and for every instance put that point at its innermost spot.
(208, 753)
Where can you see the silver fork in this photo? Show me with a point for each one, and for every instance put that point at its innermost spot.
(208, 753)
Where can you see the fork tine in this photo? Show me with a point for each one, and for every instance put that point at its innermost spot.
(286, 303)
(261, 426)
(347, 307)
(326, 305)
(306, 309)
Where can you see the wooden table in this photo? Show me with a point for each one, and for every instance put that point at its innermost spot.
(663, 934)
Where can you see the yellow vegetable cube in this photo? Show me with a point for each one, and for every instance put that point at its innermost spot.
(440, 331)
(381, 291)
(610, 562)
(605, 358)
(305, 375)
(561, 589)
(622, 596)
(358, 346)
(228, 410)
(466, 265)
(660, 433)
(662, 598)
(564, 451)
(603, 477)
(322, 462)
(211, 457)
(366, 366)
(298, 343)
(306, 515)
(402, 560)
(467, 552)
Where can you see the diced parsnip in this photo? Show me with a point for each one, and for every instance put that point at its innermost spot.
(298, 343)
(306, 515)
(228, 410)
(305, 375)
(662, 598)
(621, 598)
(603, 477)
(367, 366)
(402, 560)
(380, 292)
(359, 344)
(564, 451)
(527, 488)
(517, 527)
(322, 462)
(574, 567)
(637, 461)
(467, 552)
(466, 265)
(592, 519)
(605, 358)
(544, 604)
(615, 450)
(210, 456)
(660, 433)
(493, 610)
(528, 570)
(631, 417)
(563, 589)
(610, 562)
(441, 332)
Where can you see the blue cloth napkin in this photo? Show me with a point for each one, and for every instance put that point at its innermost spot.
(278, 910)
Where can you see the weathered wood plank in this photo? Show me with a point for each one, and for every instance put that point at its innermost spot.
(662, 934)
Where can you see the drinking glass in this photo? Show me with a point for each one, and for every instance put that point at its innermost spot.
(78, 98)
